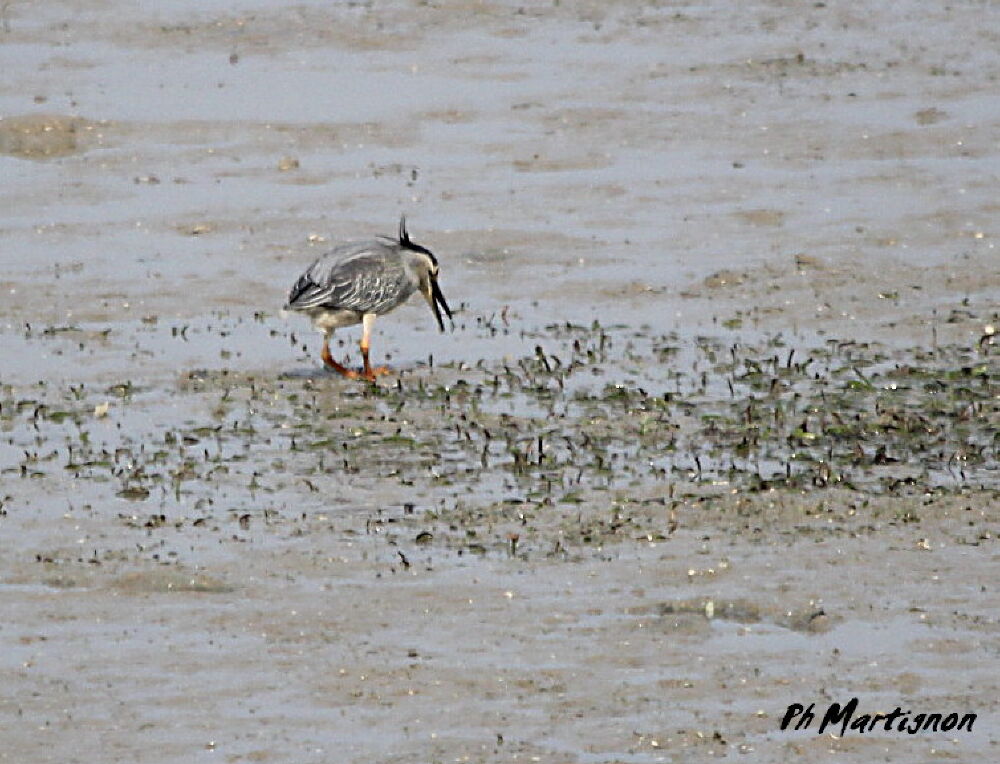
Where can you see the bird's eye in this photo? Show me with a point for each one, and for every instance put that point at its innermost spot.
(435, 269)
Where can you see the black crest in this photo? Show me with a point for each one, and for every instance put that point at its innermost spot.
(404, 240)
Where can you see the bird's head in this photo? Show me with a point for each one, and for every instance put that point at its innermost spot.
(426, 266)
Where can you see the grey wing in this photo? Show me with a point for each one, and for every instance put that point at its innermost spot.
(369, 280)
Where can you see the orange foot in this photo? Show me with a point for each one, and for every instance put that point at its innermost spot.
(367, 373)
(370, 374)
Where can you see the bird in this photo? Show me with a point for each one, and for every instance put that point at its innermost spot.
(358, 281)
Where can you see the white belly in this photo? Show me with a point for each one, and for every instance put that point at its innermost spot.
(327, 320)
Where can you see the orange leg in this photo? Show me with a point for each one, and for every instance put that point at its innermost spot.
(366, 329)
(328, 360)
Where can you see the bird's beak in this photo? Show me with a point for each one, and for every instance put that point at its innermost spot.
(435, 298)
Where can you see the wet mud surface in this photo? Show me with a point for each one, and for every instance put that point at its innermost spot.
(715, 430)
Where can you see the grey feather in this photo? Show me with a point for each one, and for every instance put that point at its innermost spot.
(365, 277)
